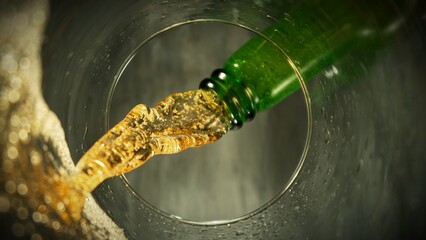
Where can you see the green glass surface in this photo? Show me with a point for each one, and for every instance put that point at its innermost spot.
(312, 37)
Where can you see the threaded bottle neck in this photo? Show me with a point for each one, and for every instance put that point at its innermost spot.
(239, 99)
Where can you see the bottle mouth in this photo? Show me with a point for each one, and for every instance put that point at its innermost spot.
(239, 99)
(285, 131)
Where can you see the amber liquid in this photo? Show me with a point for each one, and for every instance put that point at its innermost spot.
(40, 190)
(42, 194)
(181, 121)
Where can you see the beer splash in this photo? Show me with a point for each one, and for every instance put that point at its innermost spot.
(180, 121)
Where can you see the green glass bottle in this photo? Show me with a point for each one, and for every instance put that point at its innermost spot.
(314, 35)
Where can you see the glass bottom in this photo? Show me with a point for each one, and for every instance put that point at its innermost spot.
(227, 179)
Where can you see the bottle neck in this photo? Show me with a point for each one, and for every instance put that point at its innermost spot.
(310, 38)
(239, 99)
